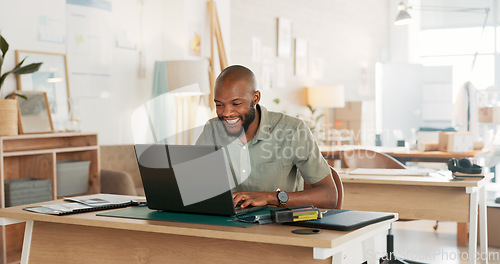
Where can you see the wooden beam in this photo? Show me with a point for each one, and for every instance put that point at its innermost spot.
(220, 42)
(211, 72)
(215, 32)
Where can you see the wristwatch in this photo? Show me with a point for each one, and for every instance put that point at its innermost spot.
(282, 197)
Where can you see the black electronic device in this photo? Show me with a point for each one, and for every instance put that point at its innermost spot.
(188, 179)
(344, 220)
(464, 166)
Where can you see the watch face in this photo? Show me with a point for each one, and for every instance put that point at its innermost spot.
(283, 197)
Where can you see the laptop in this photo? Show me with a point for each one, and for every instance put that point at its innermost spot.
(188, 179)
(345, 220)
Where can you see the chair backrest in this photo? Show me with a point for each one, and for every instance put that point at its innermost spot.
(340, 188)
(364, 158)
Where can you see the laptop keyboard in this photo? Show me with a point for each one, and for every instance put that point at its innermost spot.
(240, 210)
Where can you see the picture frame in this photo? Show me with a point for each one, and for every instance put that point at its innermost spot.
(51, 78)
(301, 51)
(34, 113)
(285, 39)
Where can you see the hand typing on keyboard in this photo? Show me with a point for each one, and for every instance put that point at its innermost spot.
(254, 198)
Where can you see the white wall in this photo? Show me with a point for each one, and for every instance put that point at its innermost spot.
(348, 36)
(161, 27)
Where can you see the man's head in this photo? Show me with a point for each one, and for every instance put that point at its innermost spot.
(236, 98)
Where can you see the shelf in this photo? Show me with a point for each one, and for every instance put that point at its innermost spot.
(47, 141)
(38, 152)
(36, 155)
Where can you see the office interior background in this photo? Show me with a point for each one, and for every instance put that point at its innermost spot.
(354, 44)
(396, 79)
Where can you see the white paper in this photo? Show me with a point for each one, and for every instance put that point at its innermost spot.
(100, 199)
(90, 45)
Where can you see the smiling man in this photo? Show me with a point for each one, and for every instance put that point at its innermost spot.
(271, 154)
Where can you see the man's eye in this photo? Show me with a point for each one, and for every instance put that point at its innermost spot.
(218, 105)
(237, 104)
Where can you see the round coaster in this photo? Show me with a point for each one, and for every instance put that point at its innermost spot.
(306, 231)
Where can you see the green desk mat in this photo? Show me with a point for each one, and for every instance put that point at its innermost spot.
(143, 212)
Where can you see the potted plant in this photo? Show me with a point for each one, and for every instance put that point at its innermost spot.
(8, 106)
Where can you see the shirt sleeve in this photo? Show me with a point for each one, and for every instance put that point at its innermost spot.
(206, 136)
(308, 159)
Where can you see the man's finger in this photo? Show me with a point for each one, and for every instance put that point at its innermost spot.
(246, 203)
(236, 199)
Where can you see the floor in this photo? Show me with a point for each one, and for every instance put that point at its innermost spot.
(417, 240)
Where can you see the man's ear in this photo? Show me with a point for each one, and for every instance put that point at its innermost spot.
(256, 97)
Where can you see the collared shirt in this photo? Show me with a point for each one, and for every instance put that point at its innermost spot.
(282, 146)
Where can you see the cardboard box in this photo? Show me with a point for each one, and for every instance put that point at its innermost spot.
(351, 112)
(349, 118)
(489, 114)
(343, 126)
(456, 142)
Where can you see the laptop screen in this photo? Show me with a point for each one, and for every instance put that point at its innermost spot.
(186, 178)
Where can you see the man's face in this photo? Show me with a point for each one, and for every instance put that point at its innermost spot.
(234, 106)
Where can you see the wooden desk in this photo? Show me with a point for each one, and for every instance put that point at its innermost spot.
(425, 197)
(87, 238)
(332, 153)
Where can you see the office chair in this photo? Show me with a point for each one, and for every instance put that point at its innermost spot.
(364, 158)
(340, 188)
(117, 182)
(338, 184)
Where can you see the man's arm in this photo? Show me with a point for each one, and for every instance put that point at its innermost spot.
(322, 194)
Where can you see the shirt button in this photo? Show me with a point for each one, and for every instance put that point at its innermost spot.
(244, 171)
(244, 147)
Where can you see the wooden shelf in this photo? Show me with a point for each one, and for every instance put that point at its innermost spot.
(36, 155)
(43, 151)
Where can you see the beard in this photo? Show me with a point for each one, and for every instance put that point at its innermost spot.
(246, 118)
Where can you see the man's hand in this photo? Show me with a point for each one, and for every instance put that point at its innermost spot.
(322, 194)
(253, 198)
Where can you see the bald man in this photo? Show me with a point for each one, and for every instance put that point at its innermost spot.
(271, 154)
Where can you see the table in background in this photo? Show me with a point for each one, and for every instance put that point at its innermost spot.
(422, 197)
(87, 238)
(332, 153)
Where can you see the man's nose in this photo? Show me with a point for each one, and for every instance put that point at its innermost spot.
(227, 111)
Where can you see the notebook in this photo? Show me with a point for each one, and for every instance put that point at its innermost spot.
(188, 179)
(345, 220)
(86, 203)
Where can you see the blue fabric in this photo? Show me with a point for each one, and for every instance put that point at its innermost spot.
(159, 104)
(160, 79)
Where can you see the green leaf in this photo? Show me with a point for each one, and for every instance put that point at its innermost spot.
(4, 46)
(18, 65)
(311, 109)
(21, 70)
(2, 78)
(28, 68)
(16, 94)
(1, 63)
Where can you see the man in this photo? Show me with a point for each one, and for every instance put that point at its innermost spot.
(266, 148)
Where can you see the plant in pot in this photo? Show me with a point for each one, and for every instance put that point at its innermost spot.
(8, 106)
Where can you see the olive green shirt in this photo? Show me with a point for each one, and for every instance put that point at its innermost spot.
(282, 145)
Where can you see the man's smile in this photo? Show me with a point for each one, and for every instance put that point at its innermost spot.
(231, 121)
